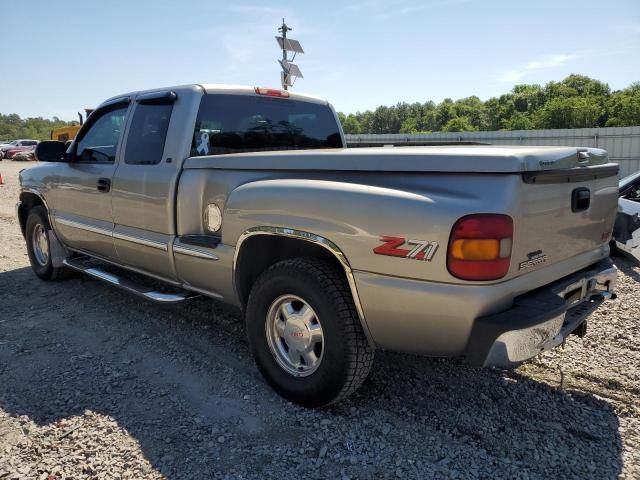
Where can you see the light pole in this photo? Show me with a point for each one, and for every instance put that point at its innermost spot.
(290, 71)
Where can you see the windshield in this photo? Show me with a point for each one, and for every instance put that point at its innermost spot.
(251, 123)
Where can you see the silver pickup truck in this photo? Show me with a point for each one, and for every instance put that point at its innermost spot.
(247, 195)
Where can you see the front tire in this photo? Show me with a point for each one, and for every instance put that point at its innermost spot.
(39, 248)
(305, 334)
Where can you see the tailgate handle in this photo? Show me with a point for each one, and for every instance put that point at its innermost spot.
(580, 199)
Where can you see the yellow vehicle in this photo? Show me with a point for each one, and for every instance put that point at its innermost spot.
(64, 134)
(69, 132)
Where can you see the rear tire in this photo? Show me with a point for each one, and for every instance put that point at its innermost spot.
(37, 231)
(305, 333)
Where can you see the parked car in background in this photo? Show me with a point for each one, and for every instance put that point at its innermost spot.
(626, 231)
(16, 144)
(3, 144)
(10, 153)
(25, 156)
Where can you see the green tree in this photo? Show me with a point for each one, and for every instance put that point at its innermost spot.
(459, 124)
(518, 121)
(499, 111)
(13, 127)
(585, 86)
(351, 125)
(385, 120)
(528, 98)
(473, 109)
(410, 125)
(571, 112)
(624, 107)
(445, 111)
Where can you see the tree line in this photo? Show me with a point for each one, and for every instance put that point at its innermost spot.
(12, 127)
(577, 101)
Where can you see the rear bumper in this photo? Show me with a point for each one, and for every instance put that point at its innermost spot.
(540, 320)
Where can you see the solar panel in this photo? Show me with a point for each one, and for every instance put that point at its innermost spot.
(291, 68)
(295, 70)
(295, 46)
(290, 45)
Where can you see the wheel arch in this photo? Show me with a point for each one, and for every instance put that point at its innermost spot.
(28, 200)
(260, 247)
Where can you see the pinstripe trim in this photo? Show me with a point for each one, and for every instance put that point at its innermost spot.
(141, 241)
(194, 252)
(83, 226)
(108, 233)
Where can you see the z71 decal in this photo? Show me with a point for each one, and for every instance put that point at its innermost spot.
(420, 249)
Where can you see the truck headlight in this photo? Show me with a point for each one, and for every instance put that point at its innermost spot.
(212, 217)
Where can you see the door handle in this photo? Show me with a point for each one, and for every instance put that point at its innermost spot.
(103, 185)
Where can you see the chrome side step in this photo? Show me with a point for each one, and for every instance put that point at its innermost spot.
(126, 284)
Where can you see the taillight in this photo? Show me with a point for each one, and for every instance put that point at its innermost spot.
(271, 92)
(480, 247)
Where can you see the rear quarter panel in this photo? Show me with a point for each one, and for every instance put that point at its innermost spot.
(353, 210)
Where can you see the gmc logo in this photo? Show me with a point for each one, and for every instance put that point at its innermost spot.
(421, 249)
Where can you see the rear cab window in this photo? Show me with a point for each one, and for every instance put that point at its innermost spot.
(246, 123)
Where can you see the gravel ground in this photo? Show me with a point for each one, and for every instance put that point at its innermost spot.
(95, 383)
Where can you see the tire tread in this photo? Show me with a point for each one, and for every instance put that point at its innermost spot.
(333, 282)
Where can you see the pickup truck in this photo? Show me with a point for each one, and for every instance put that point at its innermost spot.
(249, 196)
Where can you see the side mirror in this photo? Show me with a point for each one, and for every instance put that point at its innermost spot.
(51, 151)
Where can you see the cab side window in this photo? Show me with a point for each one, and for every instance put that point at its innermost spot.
(147, 134)
(100, 142)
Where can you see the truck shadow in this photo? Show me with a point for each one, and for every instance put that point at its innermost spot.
(181, 382)
(627, 265)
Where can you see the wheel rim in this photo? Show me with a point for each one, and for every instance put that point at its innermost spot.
(40, 244)
(294, 335)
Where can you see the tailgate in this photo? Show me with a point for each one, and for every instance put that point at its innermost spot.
(565, 211)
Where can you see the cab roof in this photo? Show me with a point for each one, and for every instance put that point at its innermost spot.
(212, 88)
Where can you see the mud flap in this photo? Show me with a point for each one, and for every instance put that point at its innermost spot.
(58, 252)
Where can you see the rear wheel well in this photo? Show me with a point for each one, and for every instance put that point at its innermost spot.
(28, 201)
(259, 252)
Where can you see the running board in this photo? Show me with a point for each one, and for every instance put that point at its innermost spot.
(128, 285)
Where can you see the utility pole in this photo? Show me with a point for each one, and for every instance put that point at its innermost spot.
(290, 71)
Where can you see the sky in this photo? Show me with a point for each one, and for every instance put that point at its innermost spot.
(61, 57)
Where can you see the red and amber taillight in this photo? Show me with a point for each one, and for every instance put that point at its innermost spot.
(480, 247)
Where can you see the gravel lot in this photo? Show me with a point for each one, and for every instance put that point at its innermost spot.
(95, 383)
